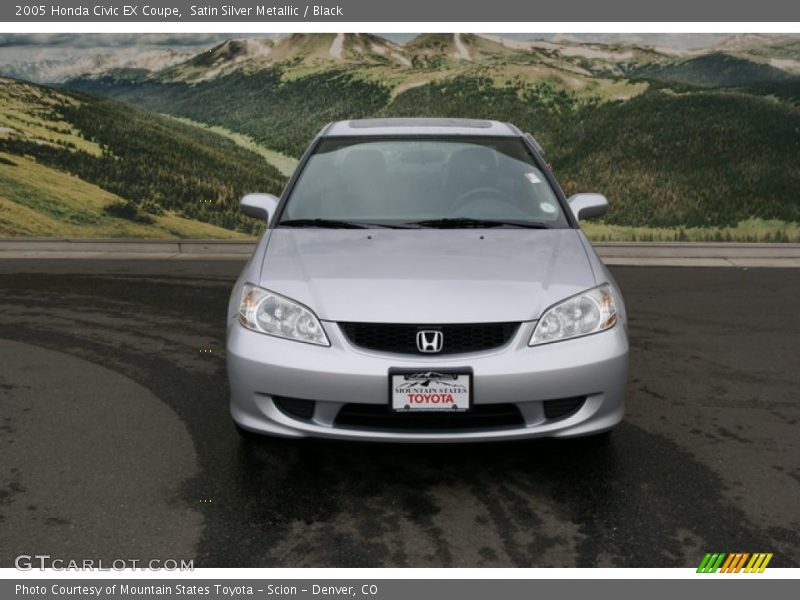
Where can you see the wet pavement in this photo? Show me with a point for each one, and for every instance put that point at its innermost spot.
(115, 440)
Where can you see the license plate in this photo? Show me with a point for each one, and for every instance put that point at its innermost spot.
(430, 391)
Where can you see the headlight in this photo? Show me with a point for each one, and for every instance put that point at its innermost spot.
(589, 312)
(273, 314)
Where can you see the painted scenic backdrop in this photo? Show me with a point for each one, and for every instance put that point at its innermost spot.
(697, 142)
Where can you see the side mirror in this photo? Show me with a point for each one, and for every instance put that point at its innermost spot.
(588, 206)
(260, 206)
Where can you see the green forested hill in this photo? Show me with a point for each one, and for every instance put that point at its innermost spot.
(715, 70)
(665, 157)
(700, 158)
(281, 115)
(142, 174)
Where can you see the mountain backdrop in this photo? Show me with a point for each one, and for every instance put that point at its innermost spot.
(702, 138)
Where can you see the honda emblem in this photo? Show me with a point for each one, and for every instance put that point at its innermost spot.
(429, 341)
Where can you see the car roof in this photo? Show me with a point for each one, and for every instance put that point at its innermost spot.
(419, 126)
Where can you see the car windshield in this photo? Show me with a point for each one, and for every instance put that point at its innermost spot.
(423, 182)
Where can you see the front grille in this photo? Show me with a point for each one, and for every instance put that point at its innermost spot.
(564, 407)
(456, 338)
(294, 407)
(379, 416)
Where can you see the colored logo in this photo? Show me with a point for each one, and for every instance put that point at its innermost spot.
(720, 562)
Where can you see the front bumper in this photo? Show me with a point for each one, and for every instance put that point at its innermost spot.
(261, 367)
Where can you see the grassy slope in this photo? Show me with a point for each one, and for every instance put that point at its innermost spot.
(667, 154)
(139, 174)
(29, 111)
(749, 230)
(285, 164)
(36, 200)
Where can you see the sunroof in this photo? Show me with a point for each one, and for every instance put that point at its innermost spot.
(370, 123)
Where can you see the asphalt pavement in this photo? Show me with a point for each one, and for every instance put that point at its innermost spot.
(115, 440)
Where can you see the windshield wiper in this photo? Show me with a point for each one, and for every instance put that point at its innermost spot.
(323, 223)
(335, 223)
(467, 222)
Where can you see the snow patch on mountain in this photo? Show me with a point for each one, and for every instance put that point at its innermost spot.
(462, 51)
(60, 70)
(518, 44)
(786, 64)
(337, 46)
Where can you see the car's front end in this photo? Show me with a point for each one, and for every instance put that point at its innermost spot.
(428, 330)
(571, 388)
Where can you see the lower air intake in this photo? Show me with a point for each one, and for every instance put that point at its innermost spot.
(562, 408)
(294, 407)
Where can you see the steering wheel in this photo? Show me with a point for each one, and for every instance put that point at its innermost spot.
(482, 193)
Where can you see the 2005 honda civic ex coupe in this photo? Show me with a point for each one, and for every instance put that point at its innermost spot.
(425, 280)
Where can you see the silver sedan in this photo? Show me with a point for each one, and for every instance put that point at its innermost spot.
(425, 280)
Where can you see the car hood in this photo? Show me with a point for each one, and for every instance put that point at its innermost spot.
(426, 275)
